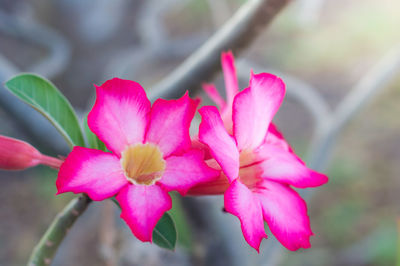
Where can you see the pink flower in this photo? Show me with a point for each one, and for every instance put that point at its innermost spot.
(258, 166)
(150, 154)
(18, 155)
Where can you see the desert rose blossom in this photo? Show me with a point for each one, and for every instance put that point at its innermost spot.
(18, 155)
(150, 154)
(258, 166)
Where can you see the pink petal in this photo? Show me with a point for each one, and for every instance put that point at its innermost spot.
(169, 124)
(142, 207)
(231, 81)
(215, 187)
(222, 146)
(214, 95)
(239, 201)
(198, 145)
(119, 116)
(286, 214)
(254, 108)
(96, 173)
(275, 137)
(284, 166)
(186, 171)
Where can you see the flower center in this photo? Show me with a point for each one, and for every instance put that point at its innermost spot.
(250, 170)
(143, 164)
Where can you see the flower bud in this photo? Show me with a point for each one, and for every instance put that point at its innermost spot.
(18, 155)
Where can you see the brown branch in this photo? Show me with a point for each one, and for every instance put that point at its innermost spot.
(237, 33)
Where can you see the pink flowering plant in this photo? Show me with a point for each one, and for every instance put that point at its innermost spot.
(257, 164)
(150, 154)
(136, 153)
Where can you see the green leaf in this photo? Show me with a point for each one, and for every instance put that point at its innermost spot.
(185, 237)
(92, 139)
(43, 96)
(164, 234)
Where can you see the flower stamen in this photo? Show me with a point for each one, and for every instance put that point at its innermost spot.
(143, 164)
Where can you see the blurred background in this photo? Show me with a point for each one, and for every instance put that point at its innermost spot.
(341, 62)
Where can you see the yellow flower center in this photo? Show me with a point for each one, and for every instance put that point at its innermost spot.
(143, 164)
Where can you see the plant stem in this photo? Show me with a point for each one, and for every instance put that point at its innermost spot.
(45, 250)
(237, 33)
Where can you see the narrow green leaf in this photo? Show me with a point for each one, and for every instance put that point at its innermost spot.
(92, 139)
(43, 96)
(164, 234)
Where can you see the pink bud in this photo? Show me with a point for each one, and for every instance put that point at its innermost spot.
(18, 155)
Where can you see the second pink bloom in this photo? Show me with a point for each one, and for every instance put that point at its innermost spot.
(258, 166)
